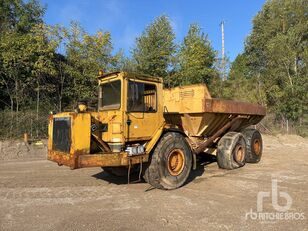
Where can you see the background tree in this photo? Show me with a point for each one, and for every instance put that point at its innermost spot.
(34, 77)
(196, 59)
(155, 48)
(86, 54)
(20, 16)
(275, 54)
(241, 85)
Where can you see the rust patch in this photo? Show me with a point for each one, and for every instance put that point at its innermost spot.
(60, 158)
(233, 107)
(81, 160)
(110, 160)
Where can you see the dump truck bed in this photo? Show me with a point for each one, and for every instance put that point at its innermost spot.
(193, 108)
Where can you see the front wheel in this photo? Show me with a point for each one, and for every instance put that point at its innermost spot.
(171, 162)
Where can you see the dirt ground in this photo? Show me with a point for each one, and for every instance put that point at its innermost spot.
(36, 194)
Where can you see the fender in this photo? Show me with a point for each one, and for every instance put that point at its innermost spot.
(157, 134)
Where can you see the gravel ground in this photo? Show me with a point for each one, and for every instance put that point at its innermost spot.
(36, 194)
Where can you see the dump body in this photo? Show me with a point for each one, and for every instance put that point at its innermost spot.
(199, 115)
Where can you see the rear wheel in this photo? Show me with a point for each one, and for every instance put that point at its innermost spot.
(231, 151)
(170, 163)
(254, 145)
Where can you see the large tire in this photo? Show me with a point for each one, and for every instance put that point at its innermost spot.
(231, 151)
(254, 145)
(170, 163)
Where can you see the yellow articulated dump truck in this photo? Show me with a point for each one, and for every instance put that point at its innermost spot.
(139, 126)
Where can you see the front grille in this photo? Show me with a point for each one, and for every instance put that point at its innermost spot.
(61, 135)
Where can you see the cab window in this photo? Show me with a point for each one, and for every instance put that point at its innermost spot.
(141, 97)
(111, 95)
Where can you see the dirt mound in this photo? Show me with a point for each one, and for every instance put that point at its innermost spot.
(292, 139)
(285, 140)
(17, 149)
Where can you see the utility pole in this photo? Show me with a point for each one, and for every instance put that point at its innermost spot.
(223, 64)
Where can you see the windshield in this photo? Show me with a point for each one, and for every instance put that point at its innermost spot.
(111, 95)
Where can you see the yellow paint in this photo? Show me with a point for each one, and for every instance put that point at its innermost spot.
(157, 134)
(81, 134)
(116, 128)
(186, 99)
(82, 107)
(100, 72)
(80, 130)
(178, 108)
(143, 126)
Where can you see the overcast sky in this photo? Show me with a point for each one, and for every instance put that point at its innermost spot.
(127, 19)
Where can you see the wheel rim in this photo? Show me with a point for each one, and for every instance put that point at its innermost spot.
(239, 154)
(257, 146)
(176, 160)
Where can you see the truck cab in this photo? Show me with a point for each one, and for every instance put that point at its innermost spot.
(130, 106)
(128, 116)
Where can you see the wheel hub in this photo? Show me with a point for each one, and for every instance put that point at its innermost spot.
(176, 160)
(239, 154)
(257, 146)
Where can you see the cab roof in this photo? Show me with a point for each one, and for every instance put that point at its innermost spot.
(132, 75)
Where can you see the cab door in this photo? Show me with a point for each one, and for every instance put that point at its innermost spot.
(143, 115)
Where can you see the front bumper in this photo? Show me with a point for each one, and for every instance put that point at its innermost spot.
(95, 160)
